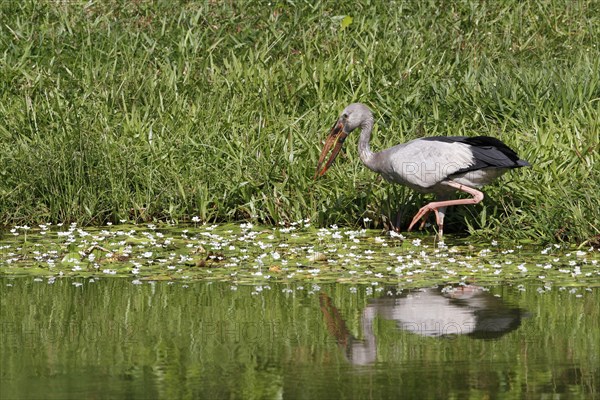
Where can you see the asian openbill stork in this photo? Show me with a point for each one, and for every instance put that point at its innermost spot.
(440, 164)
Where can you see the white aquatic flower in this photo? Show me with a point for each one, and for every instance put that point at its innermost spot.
(416, 242)
(395, 234)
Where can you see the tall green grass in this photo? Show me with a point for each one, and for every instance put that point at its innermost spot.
(113, 110)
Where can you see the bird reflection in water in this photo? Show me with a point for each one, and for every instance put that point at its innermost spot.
(434, 312)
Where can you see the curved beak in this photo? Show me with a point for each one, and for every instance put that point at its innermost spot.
(335, 139)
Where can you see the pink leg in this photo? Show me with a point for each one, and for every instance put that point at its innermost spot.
(440, 213)
(435, 205)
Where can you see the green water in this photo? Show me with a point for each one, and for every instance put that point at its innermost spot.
(110, 338)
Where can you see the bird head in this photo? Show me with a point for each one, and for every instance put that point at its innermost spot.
(351, 118)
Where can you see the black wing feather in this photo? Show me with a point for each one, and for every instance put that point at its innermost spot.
(487, 152)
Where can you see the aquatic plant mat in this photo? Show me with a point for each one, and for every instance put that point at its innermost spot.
(250, 254)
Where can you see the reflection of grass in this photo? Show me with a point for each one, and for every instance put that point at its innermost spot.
(141, 111)
(257, 254)
(167, 341)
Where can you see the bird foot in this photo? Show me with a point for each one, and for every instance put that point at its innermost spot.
(422, 214)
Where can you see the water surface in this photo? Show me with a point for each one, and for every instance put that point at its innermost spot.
(110, 338)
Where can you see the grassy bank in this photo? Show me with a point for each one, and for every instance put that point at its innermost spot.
(141, 110)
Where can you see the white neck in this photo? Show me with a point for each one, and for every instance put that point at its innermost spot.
(364, 149)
